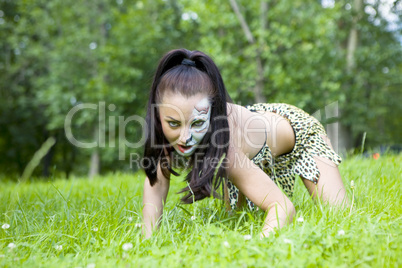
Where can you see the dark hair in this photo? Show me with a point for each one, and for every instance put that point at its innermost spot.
(188, 73)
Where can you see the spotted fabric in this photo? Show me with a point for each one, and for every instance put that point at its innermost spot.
(284, 168)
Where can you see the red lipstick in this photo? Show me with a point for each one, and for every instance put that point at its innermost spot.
(183, 148)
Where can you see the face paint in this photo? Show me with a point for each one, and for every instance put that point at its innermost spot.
(185, 126)
(198, 127)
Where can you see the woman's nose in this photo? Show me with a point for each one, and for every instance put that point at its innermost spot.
(185, 136)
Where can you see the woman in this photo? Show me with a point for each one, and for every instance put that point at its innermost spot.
(254, 152)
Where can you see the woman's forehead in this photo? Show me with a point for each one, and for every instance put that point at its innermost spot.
(178, 104)
(203, 105)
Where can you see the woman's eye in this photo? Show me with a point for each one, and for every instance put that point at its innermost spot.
(198, 123)
(173, 124)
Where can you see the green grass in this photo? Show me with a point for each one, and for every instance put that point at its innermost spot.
(92, 220)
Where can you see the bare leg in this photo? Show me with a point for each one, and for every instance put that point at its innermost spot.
(330, 187)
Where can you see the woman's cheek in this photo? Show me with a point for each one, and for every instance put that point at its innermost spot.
(199, 135)
(170, 134)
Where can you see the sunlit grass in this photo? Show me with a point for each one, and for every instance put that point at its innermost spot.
(82, 223)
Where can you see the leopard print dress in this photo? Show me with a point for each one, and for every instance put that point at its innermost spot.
(284, 168)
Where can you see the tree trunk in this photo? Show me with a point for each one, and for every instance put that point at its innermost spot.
(259, 83)
(47, 161)
(94, 165)
(69, 166)
(95, 161)
(99, 130)
(353, 39)
(345, 142)
(259, 86)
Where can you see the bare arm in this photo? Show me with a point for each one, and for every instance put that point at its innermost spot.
(261, 190)
(154, 198)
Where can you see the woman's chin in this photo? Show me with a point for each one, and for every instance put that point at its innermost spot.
(185, 151)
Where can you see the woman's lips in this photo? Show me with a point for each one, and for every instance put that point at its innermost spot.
(183, 148)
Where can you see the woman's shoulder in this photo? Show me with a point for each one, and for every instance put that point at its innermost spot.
(238, 112)
(244, 115)
(238, 116)
(264, 123)
(247, 129)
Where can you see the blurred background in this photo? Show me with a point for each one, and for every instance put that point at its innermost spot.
(58, 54)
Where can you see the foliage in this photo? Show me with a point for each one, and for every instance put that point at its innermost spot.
(79, 223)
(56, 55)
(91, 53)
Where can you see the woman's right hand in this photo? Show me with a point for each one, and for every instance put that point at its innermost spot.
(154, 197)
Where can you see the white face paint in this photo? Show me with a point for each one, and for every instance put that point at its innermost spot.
(185, 125)
(198, 127)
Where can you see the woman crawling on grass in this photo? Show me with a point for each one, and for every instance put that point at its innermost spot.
(254, 152)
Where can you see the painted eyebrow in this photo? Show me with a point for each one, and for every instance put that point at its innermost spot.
(202, 110)
(198, 119)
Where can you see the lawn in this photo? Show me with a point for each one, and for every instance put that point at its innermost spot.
(97, 223)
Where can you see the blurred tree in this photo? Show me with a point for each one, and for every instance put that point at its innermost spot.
(56, 57)
(372, 82)
(302, 49)
(22, 121)
(99, 53)
(291, 47)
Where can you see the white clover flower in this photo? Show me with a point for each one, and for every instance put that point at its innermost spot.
(226, 244)
(138, 225)
(130, 218)
(341, 232)
(5, 226)
(12, 245)
(127, 246)
(95, 229)
(287, 241)
(300, 219)
(192, 218)
(247, 237)
(352, 184)
(58, 247)
(91, 265)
